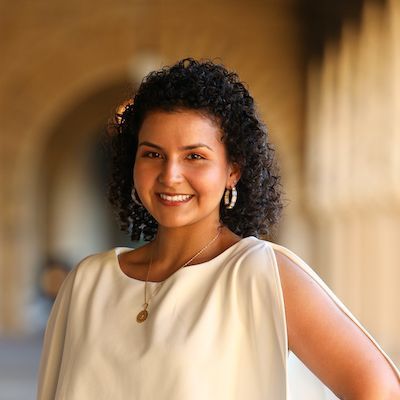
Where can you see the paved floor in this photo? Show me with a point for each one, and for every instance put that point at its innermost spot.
(19, 360)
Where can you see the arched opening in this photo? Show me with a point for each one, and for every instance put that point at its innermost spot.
(76, 219)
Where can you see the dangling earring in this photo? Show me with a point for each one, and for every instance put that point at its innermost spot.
(134, 197)
(232, 193)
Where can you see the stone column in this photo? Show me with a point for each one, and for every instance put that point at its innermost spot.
(353, 165)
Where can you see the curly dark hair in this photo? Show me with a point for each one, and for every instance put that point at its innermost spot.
(211, 89)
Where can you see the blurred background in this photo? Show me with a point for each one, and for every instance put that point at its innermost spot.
(326, 77)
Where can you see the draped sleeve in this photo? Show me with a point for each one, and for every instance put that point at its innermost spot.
(310, 272)
(54, 339)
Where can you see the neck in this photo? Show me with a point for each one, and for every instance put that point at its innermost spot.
(175, 246)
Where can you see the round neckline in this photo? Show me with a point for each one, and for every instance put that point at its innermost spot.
(119, 250)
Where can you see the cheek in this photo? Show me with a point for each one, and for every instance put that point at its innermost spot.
(211, 179)
(139, 175)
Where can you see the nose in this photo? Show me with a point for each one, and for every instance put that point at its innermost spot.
(170, 173)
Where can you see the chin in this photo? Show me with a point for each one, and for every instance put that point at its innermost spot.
(175, 218)
(173, 224)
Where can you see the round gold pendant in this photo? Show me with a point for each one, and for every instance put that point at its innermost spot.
(142, 316)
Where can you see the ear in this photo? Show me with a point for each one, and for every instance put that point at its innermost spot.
(234, 174)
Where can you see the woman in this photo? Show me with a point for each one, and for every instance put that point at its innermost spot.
(204, 310)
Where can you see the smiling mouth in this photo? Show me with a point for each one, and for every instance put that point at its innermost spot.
(175, 198)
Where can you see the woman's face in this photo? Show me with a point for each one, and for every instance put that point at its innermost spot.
(181, 168)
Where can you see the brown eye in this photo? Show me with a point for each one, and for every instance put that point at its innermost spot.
(195, 156)
(152, 154)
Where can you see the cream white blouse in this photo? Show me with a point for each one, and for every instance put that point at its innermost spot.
(215, 330)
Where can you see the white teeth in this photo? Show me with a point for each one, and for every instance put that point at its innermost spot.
(179, 197)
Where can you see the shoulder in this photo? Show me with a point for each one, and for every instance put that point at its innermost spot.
(260, 264)
(299, 279)
(256, 253)
(92, 266)
(96, 260)
(90, 273)
(296, 274)
(280, 258)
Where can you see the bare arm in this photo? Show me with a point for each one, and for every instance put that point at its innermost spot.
(330, 343)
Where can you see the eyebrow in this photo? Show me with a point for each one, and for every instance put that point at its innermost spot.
(189, 147)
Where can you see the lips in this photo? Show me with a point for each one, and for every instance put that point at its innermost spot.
(176, 197)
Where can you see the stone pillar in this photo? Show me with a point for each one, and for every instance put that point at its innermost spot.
(353, 168)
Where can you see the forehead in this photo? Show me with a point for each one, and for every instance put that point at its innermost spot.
(180, 126)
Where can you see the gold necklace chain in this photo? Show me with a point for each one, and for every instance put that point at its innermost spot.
(143, 314)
